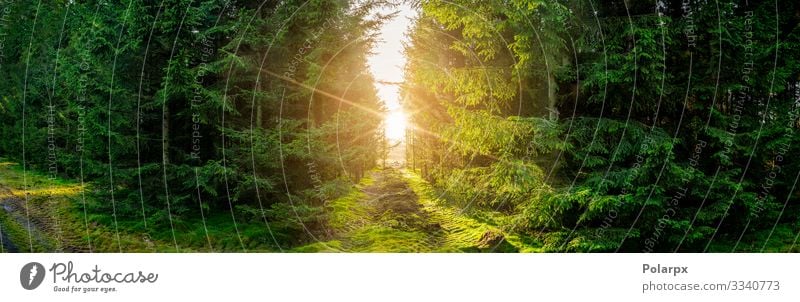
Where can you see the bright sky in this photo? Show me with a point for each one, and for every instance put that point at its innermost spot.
(386, 64)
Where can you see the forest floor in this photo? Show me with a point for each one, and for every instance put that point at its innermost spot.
(391, 210)
(40, 214)
(43, 214)
(394, 210)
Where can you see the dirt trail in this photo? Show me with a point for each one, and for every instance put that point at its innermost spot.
(391, 200)
(397, 212)
(7, 245)
(32, 227)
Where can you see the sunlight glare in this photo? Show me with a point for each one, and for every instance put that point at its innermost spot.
(386, 64)
(395, 125)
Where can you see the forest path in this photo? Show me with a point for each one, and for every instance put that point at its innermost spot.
(27, 229)
(41, 214)
(394, 210)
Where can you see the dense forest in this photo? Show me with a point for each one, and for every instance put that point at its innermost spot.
(534, 126)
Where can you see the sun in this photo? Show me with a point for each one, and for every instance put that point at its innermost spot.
(395, 123)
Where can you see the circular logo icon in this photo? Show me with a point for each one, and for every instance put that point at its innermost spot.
(31, 275)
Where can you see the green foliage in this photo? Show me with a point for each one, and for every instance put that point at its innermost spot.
(677, 134)
(194, 115)
(555, 125)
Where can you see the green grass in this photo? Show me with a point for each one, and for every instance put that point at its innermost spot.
(377, 238)
(462, 232)
(387, 219)
(55, 206)
(17, 233)
(345, 214)
(59, 203)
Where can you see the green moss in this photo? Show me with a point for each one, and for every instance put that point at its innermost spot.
(17, 234)
(461, 232)
(381, 214)
(346, 212)
(56, 205)
(332, 246)
(376, 238)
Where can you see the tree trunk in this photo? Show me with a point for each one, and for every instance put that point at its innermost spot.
(165, 135)
(552, 96)
(259, 119)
